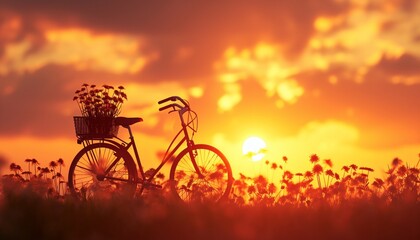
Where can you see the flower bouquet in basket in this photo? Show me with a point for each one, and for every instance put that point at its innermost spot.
(99, 108)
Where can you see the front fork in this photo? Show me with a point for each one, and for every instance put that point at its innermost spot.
(193, 154)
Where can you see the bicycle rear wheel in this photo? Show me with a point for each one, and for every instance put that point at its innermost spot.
(214, 183)
(102, 170)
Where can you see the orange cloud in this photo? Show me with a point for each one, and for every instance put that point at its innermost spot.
(360, 38)
(264, 64)
(79, 48)
(10, 26)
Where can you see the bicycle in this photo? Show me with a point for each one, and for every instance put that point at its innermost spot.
(104, 167)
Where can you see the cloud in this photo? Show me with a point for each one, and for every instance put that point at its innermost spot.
(354, 41)
(197, 31)
(32, 103)
(230, 98)
(361, 37)
(252, 66)
(40, 103)
(385, 113)
(399, 70)
(78, 48)
(263, 63)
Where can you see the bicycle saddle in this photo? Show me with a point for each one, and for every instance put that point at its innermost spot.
(125, 122)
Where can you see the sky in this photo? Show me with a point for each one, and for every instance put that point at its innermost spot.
(336, 78)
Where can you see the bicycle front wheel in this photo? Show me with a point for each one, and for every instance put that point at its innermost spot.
(102, 170)
(213, 181)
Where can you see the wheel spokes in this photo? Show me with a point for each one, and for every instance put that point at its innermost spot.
(98, 172)
(212, 183)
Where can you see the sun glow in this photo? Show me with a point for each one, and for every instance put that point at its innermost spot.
(255, 148)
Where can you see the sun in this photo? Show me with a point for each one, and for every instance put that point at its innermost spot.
(254, 147)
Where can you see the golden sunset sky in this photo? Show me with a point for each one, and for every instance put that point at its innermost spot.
(336, 78)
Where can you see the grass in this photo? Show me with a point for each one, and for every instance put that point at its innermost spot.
(27, 215)
(312, 205)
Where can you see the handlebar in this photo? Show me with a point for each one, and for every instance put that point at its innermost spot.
(173, 99)
(173, 105)
(169, 106)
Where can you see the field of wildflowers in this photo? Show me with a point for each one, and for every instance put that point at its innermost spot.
(316, 204)
(321, 185)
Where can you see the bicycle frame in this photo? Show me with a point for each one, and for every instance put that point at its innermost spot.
(170, 152)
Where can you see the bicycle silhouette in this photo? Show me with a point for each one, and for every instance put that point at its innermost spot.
(104, 167)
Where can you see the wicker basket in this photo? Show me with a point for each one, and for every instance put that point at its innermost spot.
(95, 127)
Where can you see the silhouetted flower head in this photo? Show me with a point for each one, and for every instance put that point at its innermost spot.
(274, 166)
(336, 176)
(260, 179)
(287, 175)
(308, 174)
(53, 164)
(367, 169)
(251, 189)
(378, 183)
(314, 158)
(396, 162)
(317, 169)
(329, 172)
(354, 167)
(60, 161)
(346, 168)
(415, 171)
(402, 170)
(328, 162)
